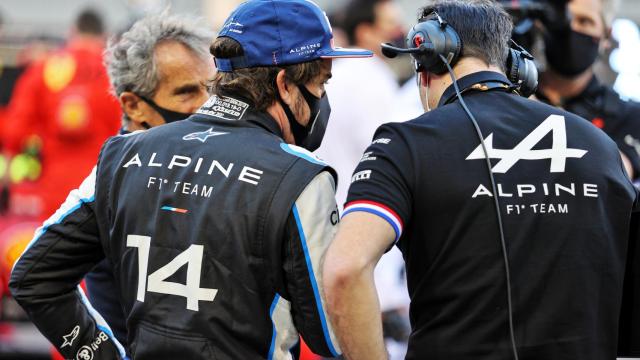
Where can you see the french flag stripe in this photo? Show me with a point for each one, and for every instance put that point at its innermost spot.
(381, 210)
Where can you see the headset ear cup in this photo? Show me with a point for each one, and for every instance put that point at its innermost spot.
(443, 40)
(522, 72)
(513, 66)
(453, 47)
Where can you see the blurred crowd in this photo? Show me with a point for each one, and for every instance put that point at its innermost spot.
(57, 106)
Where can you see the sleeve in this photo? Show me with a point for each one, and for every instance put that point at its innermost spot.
(310, 229)
(381, 183)
(45, 279)
(104, 295)
(624, 127)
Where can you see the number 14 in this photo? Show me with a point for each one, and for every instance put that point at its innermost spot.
(192, 257)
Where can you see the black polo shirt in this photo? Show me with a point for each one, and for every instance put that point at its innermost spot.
(565, 202)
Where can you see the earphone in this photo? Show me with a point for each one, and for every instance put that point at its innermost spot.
(436, 47)
(433, 37)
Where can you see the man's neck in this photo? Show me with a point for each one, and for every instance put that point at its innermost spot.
(557, 87)
(277, 113)
(464, 67)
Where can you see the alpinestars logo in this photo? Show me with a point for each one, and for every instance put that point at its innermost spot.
(70, 337)
(203, 135)
(559, 153)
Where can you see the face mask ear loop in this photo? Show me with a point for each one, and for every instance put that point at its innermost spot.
(426, 90)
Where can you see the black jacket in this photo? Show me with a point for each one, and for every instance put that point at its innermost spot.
(214, 229)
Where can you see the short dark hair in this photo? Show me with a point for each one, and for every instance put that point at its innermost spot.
(483, 26)
(90, 22)
(355, 13)
(256, 83)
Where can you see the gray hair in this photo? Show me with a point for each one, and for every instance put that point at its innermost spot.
(130, 60)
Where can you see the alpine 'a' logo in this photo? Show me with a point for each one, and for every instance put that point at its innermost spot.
(524, 150)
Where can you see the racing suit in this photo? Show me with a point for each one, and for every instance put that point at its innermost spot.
(214, 228)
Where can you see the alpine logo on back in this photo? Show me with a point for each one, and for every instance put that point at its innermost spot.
(533, 197)
(559, 153)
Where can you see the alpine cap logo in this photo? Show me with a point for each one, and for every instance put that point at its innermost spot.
(524, 150)
(202, 136)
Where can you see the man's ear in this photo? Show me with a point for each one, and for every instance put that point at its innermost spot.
(284, 88)
(608, 42)
(133, 106)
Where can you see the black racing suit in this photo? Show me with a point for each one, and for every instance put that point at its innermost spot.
(565, 203)
(214, 228)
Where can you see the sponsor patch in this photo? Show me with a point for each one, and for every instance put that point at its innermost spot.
(361, 175)
(367, 157)
(384, 141)
(226, 108)
(85, 353)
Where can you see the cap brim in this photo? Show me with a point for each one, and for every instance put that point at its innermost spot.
(346, 53)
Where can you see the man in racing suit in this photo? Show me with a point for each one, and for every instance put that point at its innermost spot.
(214, 226)
(152, 90)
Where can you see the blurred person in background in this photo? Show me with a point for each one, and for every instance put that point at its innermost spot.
(160, 71)
(61, 111)
(363, 97)
(571, 51)
(364, 91)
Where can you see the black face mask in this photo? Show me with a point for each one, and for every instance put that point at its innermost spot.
(571, 53)
(169, 116)
(310, 136)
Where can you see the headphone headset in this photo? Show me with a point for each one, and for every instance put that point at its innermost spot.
(433, 37)
(436, 47)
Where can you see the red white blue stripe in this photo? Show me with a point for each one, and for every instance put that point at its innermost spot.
(379, 209)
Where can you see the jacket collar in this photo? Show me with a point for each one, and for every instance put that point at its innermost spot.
(487, 80)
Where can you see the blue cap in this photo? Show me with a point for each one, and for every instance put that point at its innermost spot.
(280, 32)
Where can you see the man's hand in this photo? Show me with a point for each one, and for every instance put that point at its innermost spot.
(352, 301)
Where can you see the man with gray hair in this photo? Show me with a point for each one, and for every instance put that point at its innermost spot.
(159, 71)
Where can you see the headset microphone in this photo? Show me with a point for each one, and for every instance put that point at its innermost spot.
(391, 51)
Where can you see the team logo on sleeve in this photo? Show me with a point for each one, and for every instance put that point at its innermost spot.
(559, 153)
(384, 141)
(361, 175)
(70, 337)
